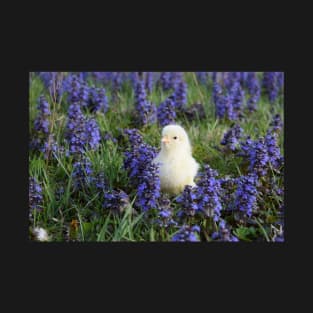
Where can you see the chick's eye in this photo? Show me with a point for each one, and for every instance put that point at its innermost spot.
(175, 137)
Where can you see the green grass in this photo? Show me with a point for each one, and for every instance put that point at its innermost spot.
(93, 222)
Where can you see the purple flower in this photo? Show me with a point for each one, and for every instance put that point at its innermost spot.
(259, 158)
(100, 182)
(117, 80)
(149, 187)
(273, 150)
(187, 233)
(46, 78)
(166, 112)
(224, 108)
(134, 136)
(180, 95)
(165, 214)
(82, 133)
(42, 120)
(82, 174)
(203, 198)
(224, 233)
(209, 191)
(277, 123)
(75, 134)
(227, 105)
(231, 137)
(42, 139)
(175, 79)
(280, 80)
(134, 78)
(53, 82)
(78, 91)
(149, 82)
(83, 95)
(98, 101)
(83, 76)
(202, 77)
(251, 81)
(115, 200)
(254, 90)
(145, 109)
(165, 80)
(245, 147)
(188, 201)
(230, 78)
(245, 198)
(101, 77)
(271, 85)
(92, 133)
(217, 92)
(35, 195)
(243, 78)
(237, 96)
(227, 194)
(136, 160)
(256, 152)
(142, 173)
(214, 76)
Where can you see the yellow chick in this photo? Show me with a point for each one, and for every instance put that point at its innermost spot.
(177, 166)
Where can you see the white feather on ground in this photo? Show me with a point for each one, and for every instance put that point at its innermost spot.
(177, 166)
(40, 234)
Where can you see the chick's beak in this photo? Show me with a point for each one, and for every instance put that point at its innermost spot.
(165, 139)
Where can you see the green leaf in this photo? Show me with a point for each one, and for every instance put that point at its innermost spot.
(152, 234)
(245, 233)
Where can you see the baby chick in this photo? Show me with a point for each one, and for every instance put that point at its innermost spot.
(177, 166)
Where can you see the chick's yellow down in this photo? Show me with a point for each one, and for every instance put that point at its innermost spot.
(177, 166)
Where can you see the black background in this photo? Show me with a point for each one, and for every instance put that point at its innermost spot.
(149, 275)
